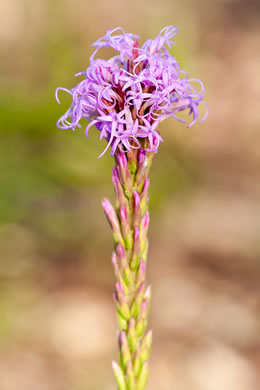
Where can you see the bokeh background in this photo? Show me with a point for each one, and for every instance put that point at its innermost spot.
(57, 322)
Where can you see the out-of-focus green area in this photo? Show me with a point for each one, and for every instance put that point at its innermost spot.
(57, 325)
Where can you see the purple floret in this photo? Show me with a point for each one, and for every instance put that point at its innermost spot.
(127, 96)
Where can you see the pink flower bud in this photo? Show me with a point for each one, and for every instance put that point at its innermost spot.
(120, 251)
(123, 215)
(122, 160)
(145, 221)
(145, 187)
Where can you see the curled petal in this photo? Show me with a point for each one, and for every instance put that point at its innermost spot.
(61, 89)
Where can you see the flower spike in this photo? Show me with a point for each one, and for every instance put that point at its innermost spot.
(126, 98)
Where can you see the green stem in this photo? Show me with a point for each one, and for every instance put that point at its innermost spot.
(132, 296)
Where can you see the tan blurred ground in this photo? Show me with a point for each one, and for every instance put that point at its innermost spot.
(57, 325)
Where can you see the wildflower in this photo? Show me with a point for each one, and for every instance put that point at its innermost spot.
(127, 96)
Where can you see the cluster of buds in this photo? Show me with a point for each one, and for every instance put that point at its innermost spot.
(129, 222)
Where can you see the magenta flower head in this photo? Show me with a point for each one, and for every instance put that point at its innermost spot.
(127, 96)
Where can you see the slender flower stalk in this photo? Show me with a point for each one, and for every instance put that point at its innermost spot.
(126, 98)
(129, 222)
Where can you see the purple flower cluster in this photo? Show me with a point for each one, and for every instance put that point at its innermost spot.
(127, 96)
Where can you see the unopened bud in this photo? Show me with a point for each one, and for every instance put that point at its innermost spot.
(146, 347)
(112, 219)
(141, 272)
(124, 349)
(142, 169)
(119, 191)
(136, 250)
(130, 379)
(142, 380)
(124, 173)
(145, 221)
(125, 227)
(119, 375)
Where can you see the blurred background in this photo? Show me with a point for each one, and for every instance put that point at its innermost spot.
(57, 321)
